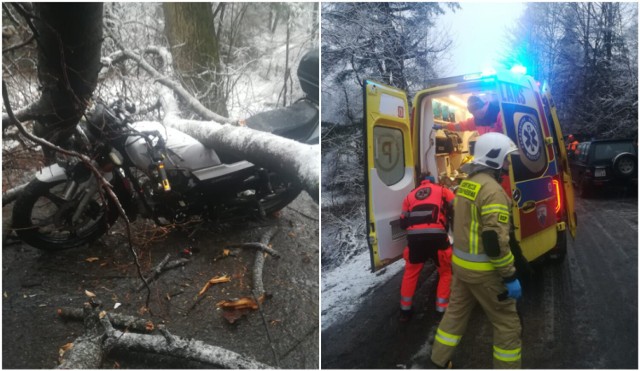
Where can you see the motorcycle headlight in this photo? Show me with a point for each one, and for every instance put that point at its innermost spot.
(115, 157)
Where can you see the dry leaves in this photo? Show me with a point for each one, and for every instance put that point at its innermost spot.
(63, 349)
(213, 281)
(242, 303)
(236, 309)
(89, 294)
(92, 259)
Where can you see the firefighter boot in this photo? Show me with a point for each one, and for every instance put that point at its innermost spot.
(405, 315)
(433, 366)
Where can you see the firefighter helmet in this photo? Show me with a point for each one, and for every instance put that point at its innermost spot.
(491, 149)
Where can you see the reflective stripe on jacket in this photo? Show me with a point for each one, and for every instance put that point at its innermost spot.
(481, 204)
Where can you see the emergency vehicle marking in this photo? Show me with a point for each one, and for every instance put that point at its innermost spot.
(529, 138)
(512, 94)
(391, 106)
(541, 212)
(387, 153)
(469, 189)
(533, 190)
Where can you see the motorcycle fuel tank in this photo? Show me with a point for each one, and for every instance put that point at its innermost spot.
(184, 151)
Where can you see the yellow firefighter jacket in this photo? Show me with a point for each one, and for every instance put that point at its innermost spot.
(481, 204)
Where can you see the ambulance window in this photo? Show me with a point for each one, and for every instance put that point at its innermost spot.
(388, 154)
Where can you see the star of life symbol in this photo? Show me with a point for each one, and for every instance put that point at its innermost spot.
(529, 138)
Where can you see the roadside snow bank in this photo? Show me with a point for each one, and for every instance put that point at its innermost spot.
(344, 288)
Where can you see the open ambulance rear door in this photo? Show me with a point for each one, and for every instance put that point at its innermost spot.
(389, 170)
(550, 107)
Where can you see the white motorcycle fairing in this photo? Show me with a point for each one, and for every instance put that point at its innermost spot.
(56, 172)
(184, 151)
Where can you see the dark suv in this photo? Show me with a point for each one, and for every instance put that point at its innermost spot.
(601, 163)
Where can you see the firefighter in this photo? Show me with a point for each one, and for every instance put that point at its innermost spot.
(482, 262)
(425, 214)
(572, 145)
(486, 117)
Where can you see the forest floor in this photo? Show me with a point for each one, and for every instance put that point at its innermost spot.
(36, 284)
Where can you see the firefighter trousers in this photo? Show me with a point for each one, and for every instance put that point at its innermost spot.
(410, 280)
(502, 314)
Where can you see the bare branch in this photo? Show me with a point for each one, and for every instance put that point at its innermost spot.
(175, 86)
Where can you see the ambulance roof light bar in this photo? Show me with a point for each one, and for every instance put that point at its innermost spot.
(519, 69)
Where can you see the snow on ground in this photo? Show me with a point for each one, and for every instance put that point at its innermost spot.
(344, 288)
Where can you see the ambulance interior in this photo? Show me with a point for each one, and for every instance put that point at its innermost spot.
(443, 152)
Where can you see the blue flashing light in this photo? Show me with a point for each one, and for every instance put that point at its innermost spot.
(489, 71)
(519, 69)
(485, 73)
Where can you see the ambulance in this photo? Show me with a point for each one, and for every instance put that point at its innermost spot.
(401, 144)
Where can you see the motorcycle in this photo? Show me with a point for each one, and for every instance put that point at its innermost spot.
(158, 173)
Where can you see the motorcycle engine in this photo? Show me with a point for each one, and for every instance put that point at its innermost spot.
(173, 205)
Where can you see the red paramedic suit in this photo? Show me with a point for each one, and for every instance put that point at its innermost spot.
(427, 235)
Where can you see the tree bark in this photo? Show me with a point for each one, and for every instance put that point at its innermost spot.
(190, 30)
(69, 37)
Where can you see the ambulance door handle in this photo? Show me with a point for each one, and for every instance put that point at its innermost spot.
(528, 206)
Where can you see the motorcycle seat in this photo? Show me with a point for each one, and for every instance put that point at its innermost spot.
(296, 121)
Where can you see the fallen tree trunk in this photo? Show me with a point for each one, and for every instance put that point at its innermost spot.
(271, 151)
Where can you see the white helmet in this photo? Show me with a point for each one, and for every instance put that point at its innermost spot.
(492, 148)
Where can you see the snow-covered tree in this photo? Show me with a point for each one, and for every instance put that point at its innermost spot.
(394, 43)
(588, 53)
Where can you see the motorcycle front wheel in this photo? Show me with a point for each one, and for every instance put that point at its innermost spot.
(43, 219)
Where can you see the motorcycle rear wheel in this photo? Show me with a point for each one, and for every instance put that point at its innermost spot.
(42, 218)
(279, 201)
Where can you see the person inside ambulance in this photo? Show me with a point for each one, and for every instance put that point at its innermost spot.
(426, 213)
(486, 117)
(482, 261)
(572, 146)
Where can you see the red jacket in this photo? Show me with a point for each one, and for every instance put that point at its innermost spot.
(414, 217)
(470, 124)
(492, 122)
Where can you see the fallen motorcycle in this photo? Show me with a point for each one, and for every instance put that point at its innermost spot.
(158, 173)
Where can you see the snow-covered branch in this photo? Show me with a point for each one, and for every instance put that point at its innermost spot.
(184, 95)
(265, 149)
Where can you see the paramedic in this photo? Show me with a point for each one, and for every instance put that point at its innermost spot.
(425, 214)
(572, 145)
(486, 117)
(482, 262)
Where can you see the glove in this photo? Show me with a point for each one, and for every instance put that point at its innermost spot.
(437, 127)
(514, 289)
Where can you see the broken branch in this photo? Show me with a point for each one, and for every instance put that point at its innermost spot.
(117, 319)
(162, 267)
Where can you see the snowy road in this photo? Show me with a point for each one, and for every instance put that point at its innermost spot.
(580, 314)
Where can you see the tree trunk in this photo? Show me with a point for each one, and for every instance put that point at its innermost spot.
(196, 58)
(69, 43)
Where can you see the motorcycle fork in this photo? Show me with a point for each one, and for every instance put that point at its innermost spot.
(88, 189)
